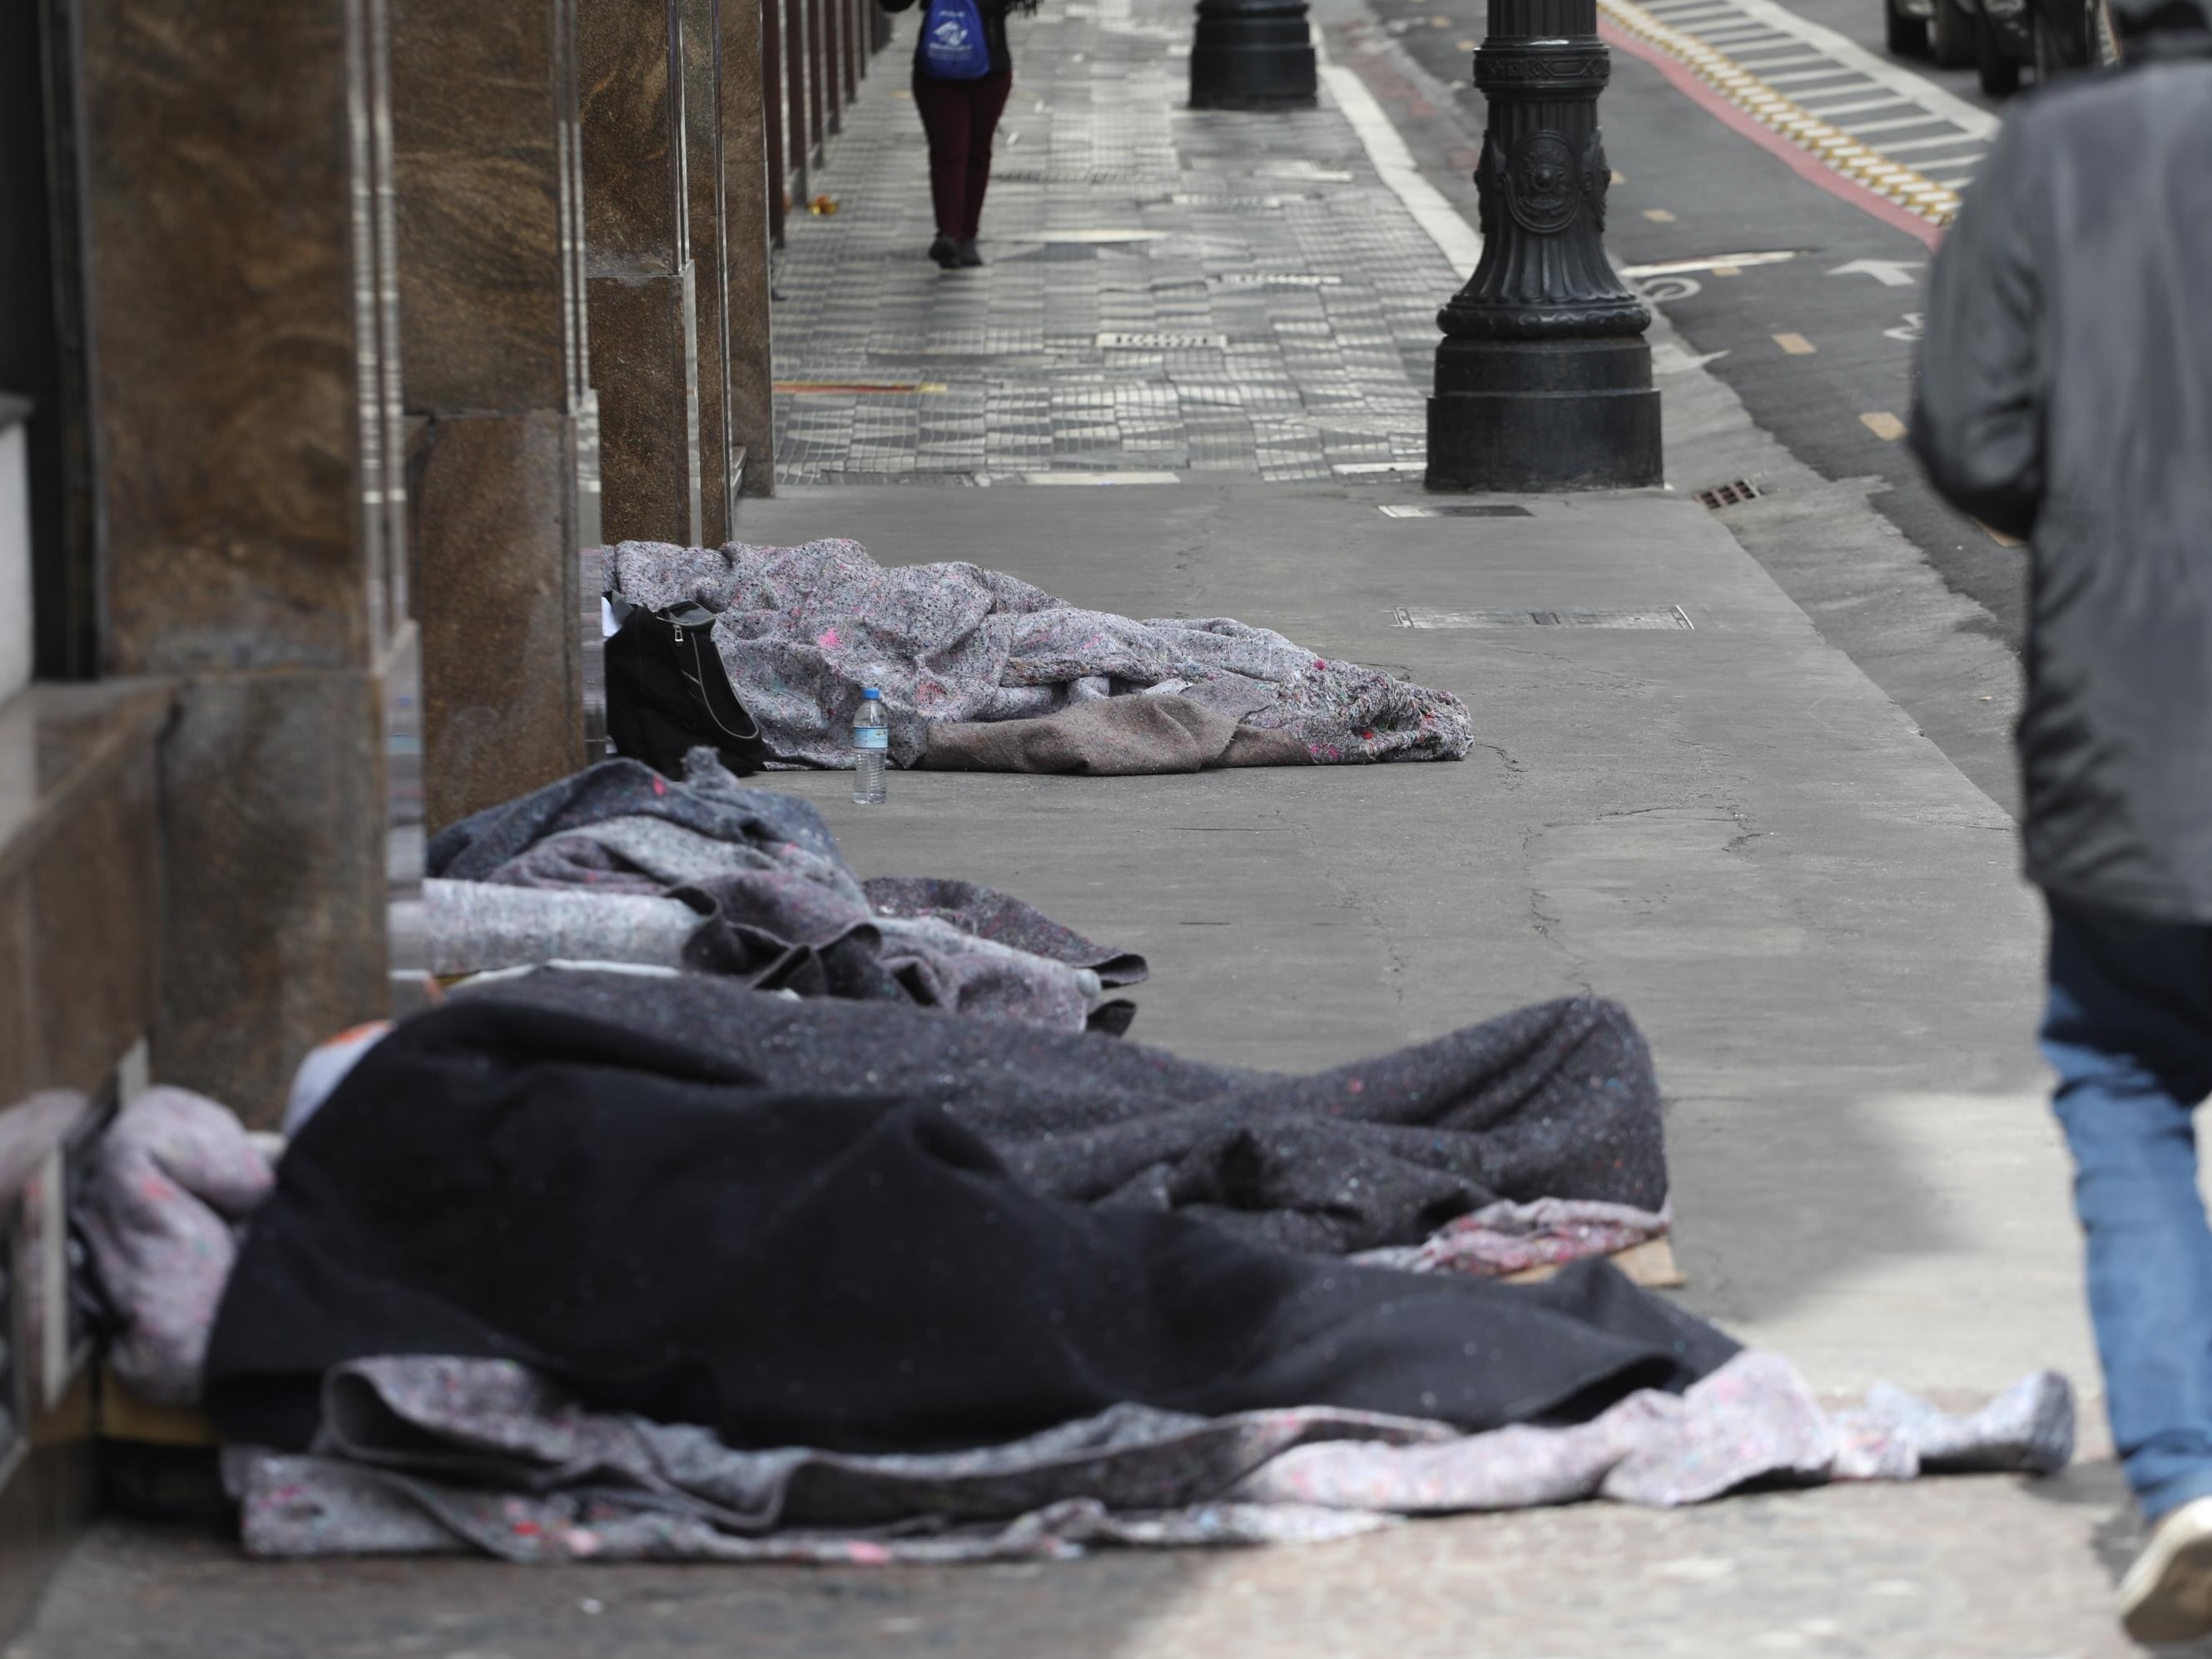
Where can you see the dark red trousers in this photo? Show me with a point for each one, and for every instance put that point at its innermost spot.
(960, 117)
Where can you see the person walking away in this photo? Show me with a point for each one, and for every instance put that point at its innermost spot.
(962, 73)
(2066, 396)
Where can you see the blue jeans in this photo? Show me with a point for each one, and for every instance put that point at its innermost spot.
(2128, 1030)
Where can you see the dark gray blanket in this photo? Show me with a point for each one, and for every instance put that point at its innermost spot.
(777, 906)
(709, 801)
(1554, 1101)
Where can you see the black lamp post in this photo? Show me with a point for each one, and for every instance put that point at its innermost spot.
(1543, 378)
(1252, 54)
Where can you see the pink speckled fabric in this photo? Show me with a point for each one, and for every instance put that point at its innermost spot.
(1505, 1238)
(175, 1173)
(548, 1481)
(802, 630)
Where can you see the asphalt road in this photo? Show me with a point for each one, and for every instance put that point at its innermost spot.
(1819, 346)
(1861, 20)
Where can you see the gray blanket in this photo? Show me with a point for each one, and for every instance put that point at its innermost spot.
(619, 864)
(1111, 737)
(476, 926)
(1556, 1101)
(803, 629)
(420, 1454)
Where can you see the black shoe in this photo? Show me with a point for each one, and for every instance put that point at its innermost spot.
(970, 253)
(946, 252)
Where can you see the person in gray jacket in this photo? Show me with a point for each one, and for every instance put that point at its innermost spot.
(2066, 396)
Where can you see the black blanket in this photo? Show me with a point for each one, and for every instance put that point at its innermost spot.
(1554, 1101)
(651, 1223)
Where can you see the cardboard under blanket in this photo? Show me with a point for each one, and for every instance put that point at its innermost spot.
(1651, 1264)
(1112, 736)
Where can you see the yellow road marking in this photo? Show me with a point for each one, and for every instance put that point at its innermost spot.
(1884, 425)
(1659, 216)
(2000, 537)
(1796, 344)
(1841, 151)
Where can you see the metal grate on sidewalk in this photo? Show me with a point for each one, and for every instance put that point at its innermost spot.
(1671, 617)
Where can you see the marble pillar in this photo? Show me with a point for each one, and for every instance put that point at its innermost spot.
(704, 73)
(502, 468)
(642, 280)
(242, 312)
(747, 223)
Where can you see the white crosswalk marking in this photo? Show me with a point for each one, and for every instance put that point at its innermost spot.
(1826, 110)
(1941, 141)
(1859, 129)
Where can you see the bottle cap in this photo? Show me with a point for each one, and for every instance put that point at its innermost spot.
(871, 691)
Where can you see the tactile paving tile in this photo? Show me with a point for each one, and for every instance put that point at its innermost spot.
(1169, 289)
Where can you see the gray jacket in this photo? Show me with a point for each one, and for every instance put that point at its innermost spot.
(2065, 396)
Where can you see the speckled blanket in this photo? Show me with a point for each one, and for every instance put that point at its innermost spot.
(802, 630)
(547, 1480)
(617, 863)
(1558, 1101)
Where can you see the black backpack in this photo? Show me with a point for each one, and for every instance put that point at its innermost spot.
(668, 692)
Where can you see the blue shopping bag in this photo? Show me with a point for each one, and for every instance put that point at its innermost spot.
(952, 44)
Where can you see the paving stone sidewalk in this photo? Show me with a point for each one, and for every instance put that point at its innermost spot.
(1167, 289)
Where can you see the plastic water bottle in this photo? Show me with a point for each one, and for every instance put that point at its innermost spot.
(872, 744)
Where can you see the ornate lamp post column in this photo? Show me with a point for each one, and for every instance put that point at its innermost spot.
(1252, 54)
(1543, 378)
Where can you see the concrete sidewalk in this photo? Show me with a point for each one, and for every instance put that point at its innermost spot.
(1726, 825)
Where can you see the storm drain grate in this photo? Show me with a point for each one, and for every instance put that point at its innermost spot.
(1275, 279)
(1207, 198)
(1551, 616)
(1163, 342)
(1457, 510)
(1727, 495)
(1072, 176)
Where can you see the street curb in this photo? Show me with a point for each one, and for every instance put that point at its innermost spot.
(1919, 196)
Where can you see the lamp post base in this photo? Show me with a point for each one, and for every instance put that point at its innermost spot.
(1544, 415)
(1252, 56)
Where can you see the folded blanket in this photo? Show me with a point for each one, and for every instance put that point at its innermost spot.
(1111, 737)
(174, 1173)
(476, 926)
(549, 1481)
(619, 864)
(803, 629)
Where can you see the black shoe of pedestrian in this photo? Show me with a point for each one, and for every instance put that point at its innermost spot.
(970, 253)
(946, 252)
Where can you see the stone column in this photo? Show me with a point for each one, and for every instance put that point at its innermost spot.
(642, 283)
(704, 72)
(244, 395)
(500, 441)
(747, 218)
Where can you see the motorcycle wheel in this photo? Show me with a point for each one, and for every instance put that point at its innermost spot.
(1951, 36)
(1996, 70)
(1906, 37)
